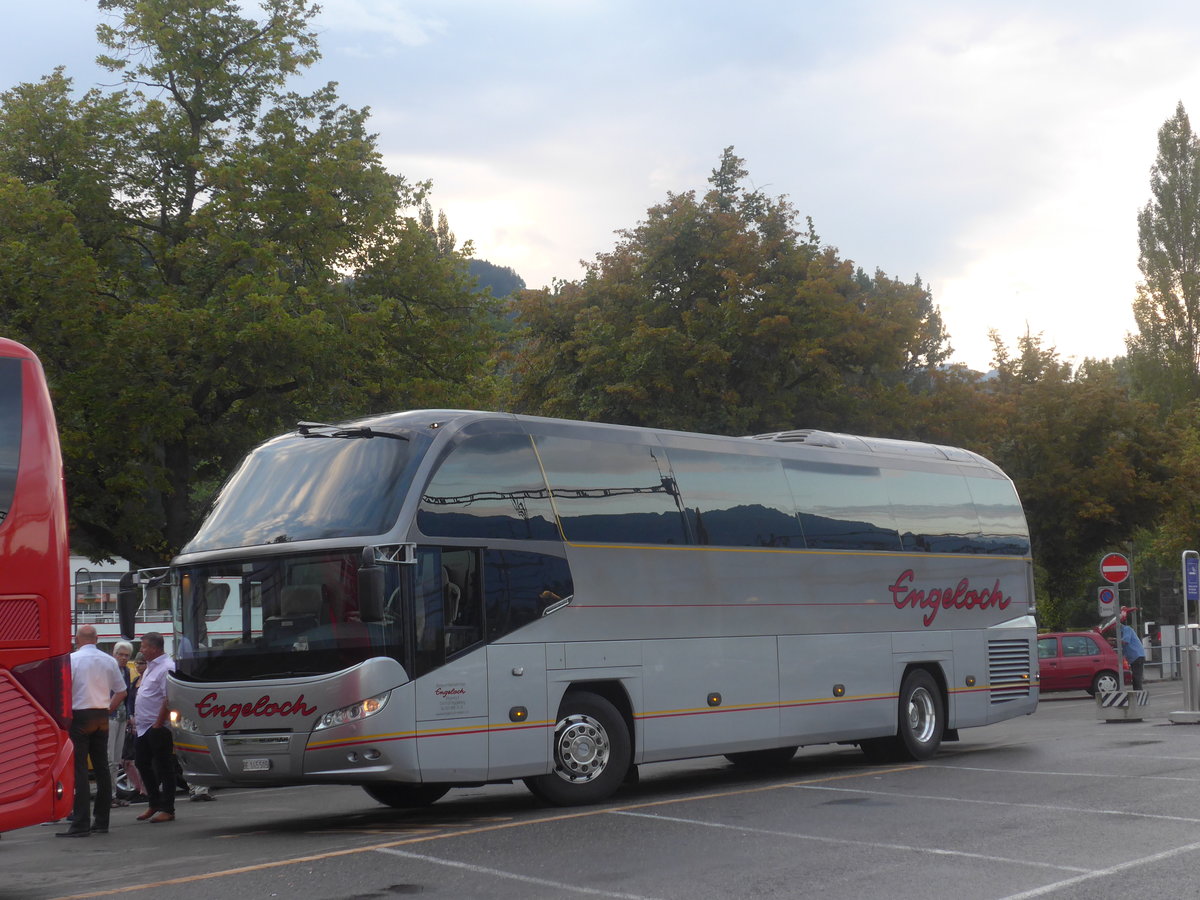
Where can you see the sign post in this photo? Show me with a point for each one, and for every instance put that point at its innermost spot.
(1191, 582)
(1118, 704)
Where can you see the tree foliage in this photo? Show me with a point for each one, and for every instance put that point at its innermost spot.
(716, 313)
(214, 257)
(1087, 459)
(1165, 354)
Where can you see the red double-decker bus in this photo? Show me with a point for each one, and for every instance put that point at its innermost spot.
(36, 775)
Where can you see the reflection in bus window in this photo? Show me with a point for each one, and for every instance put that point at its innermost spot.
(302, 488)
(736, 500)
(842, 507)
(10, 430)
(1000, 516)
(520, 586)
(612, 493)
(933, 511)
(428, 627)
(489, 486)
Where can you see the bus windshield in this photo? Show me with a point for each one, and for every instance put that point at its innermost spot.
(279, 616)
(310, 486)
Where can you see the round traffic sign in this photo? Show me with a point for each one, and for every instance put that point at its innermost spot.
(1114, 568)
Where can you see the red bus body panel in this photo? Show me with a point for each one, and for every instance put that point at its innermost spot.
(36, 772)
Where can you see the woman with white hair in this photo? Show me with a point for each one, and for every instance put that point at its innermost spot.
(122, 652)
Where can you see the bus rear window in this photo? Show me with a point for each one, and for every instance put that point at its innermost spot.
(10, 430)
(298, 488)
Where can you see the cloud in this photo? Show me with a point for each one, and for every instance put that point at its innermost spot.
(392, 20)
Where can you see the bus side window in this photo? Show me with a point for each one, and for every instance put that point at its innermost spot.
(462, 599)
(428, 628)
(520, 586)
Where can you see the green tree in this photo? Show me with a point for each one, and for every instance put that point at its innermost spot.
(1165, 353)
(718, 314)
(1089, 463)
(239, 259)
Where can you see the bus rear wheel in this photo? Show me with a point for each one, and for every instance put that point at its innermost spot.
(406, 796)
(592, 752)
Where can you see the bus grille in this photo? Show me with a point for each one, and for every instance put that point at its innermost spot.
(1008, 670)
(29, 743)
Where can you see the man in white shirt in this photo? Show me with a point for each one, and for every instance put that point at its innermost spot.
(153, 751)
(96, 690)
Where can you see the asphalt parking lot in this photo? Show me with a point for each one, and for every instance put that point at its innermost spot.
(1060, 804)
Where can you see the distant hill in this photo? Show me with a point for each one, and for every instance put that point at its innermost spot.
(501, 279)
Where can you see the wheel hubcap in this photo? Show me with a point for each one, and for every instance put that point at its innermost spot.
(581, 749)
(922, 717)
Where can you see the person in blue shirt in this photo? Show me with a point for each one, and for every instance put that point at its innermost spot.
(1132, 650)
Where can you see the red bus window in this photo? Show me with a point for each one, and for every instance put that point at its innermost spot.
(10, 430)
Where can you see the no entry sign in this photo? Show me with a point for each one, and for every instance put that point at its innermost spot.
(1114, 568)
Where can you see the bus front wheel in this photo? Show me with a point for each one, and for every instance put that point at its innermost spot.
(592, 752)
(920, 723)
(406, 796)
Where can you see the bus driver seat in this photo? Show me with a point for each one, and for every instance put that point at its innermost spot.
(299, 605)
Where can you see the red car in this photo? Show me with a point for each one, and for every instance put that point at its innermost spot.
(1078, 661)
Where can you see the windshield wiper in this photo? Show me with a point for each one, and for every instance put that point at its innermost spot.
(308, 430)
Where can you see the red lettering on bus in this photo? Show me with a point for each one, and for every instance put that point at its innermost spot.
(932, 599)
(264, 706)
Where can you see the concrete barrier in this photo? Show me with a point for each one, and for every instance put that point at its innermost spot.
(1122, 706)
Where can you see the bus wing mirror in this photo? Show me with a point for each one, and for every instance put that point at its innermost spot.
(129, 598)
(370, 593)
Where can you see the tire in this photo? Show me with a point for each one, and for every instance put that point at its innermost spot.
(592, 753)
(762, 759)
(406, 796)
(1103, 682)
(922, 717)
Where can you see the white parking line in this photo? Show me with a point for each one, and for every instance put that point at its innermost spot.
(500, 873)
(845, 842)
(1125, 776)
(1045, 807)
(1102, 873)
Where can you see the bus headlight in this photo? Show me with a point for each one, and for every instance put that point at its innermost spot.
(182, 722)
(353, 713)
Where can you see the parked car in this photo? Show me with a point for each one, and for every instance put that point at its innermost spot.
(1078, 661)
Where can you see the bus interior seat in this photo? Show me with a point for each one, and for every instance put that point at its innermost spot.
(299, 606)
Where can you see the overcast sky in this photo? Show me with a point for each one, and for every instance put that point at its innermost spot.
(1000, 150)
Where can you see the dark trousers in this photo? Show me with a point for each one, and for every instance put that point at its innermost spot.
(154, 756)
(89, 737)
(1135, 668)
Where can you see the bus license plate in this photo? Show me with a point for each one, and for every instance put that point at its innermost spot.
(256, 765)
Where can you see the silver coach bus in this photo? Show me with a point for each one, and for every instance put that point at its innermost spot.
(439, 598)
